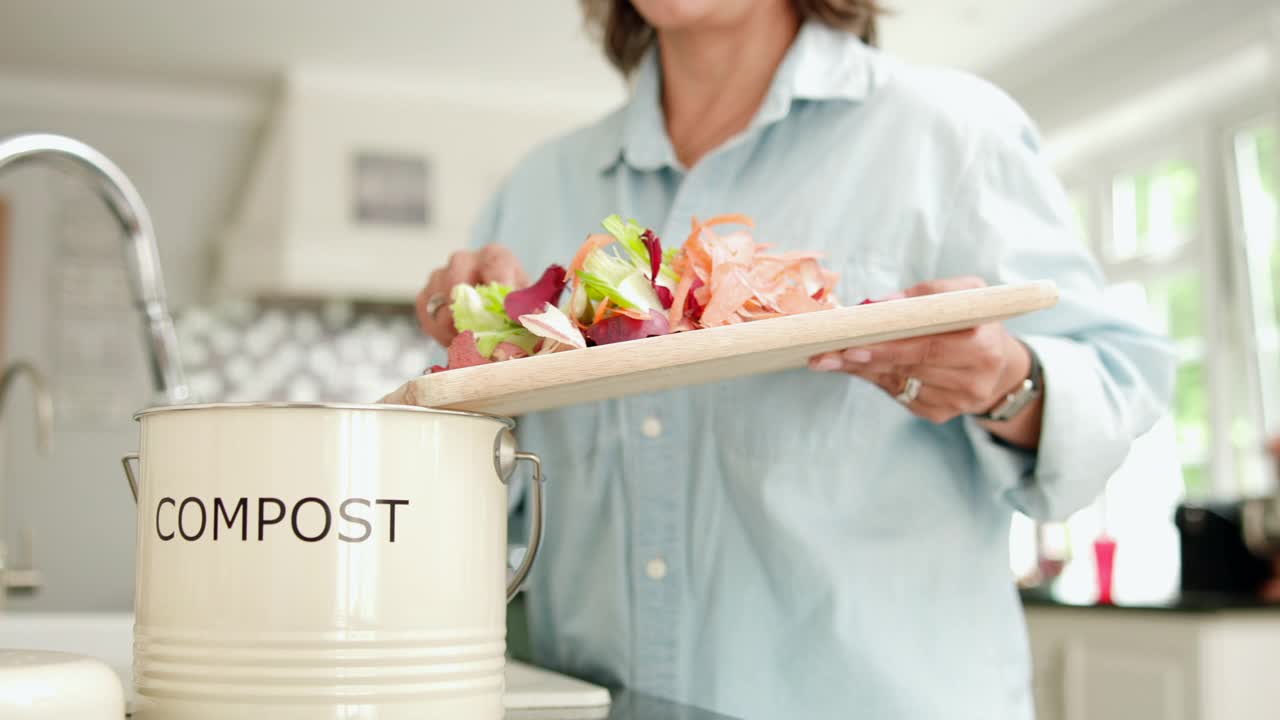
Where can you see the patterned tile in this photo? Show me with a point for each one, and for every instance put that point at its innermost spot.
(300, 350)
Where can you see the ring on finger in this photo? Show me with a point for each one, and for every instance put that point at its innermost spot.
(910, 390)
(434, 303)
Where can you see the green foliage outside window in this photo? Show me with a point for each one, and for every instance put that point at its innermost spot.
(1195, 478)
(1155, 211)
(1191, 410)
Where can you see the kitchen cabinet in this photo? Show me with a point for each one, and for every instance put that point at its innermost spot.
(1095, 663)
(365, 183)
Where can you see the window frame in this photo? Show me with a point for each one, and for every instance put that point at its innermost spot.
(1217, 248)
(1263, 390)
(1247, 117)
(1095, 174)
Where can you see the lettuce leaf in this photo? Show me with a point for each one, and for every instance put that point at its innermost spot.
(607, 275)
(628, 234)
(631, 236)
(487, 341)
(479, 307)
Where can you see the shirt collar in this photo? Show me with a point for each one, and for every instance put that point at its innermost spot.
(822, 64)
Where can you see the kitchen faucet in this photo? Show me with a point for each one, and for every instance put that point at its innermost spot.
(24, 577)
(44, 399)
(142, 261)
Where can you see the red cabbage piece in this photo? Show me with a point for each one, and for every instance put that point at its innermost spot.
(464, 353)
(620, 328)
(533, 298)
(664, 295)
(692, 307)
(435, 369)
(653, 244)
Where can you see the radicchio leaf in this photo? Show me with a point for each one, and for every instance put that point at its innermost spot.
(664, 295)
(464, 353)
(653, 244)
(532, 298)
(620, 328)
(692, 307)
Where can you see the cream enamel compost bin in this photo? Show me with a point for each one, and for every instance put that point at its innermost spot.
(323, 561)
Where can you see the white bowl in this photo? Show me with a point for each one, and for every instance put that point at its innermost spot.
(43, 685)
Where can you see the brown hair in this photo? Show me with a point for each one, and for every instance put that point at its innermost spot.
(627, 35)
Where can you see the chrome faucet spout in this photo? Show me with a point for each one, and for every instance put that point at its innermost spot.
(142, 260)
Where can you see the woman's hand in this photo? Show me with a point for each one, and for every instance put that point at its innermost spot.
(492, 263)
(958, 373)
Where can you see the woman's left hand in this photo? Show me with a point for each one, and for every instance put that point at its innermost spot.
(958, 373)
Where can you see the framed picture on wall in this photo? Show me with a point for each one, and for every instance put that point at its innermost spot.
(391, 189)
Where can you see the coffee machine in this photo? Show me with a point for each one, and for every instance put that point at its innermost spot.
(1227, 547)
(1230, 549)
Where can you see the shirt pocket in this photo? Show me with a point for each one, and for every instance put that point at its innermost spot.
(872, 274)
(794, 409)
(799, 448)
(792, 415)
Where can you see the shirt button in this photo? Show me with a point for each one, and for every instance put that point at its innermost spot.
(651, 427)
(656, 569)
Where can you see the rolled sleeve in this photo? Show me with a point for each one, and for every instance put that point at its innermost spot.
(1107, 380)
(1096, 403)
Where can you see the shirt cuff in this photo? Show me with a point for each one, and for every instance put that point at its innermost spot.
(1082, 437)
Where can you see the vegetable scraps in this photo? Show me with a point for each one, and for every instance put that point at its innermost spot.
(626, 287)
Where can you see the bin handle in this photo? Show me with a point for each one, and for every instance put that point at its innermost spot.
(129, 474)
(535, 527)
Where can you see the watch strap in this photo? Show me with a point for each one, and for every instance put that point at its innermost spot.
(1022, 395)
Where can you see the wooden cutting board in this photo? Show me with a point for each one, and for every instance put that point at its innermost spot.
(565, 378)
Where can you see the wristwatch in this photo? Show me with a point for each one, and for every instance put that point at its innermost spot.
(1022, 396)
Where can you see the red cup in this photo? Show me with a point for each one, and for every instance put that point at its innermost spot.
(1104, 554)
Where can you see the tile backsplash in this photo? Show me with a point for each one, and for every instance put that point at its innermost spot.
(302, 351)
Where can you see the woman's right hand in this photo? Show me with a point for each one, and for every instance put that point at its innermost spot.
(492, 263)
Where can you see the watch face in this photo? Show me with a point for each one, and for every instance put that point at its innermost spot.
(1014, 402)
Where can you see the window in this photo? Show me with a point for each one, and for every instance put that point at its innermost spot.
(1194, 253)
(1257, 169)
(1152, 252)
(1154, 212)
(1170, 304)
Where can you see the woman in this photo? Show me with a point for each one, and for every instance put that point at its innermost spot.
(830, 542)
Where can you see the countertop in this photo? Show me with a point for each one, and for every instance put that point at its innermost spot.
(1197, 603)
(626, 705)
(109, 637)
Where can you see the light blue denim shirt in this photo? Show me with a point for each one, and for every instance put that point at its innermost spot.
(798, 545)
